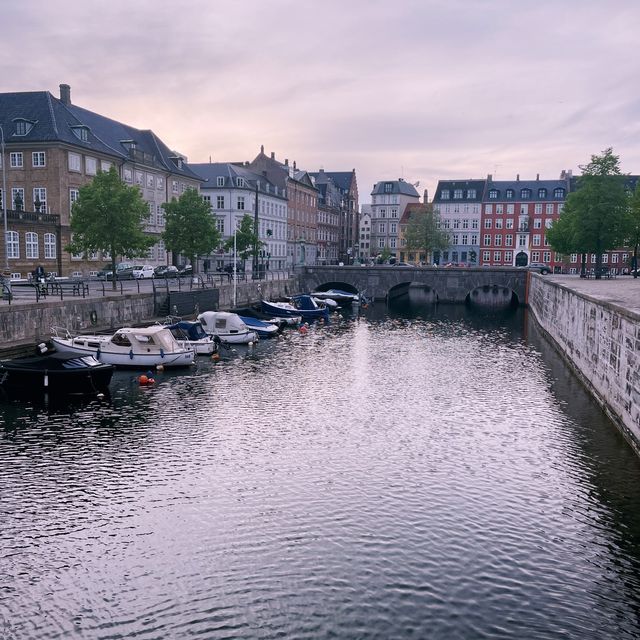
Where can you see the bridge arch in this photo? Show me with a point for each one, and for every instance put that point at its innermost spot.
(413, 292)
(492, 296)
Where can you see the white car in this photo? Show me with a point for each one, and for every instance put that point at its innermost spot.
(143, 271)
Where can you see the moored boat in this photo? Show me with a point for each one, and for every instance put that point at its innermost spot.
(131, 347)
(227, 327)
(262, 328)
(56, 374)
(303, 305)
(340, 296)
(191, 334)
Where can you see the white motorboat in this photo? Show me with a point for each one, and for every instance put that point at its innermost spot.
(227, 327)
(191, 334)
(128, 347)
(338, 295)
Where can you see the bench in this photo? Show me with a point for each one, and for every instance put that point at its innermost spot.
(74, 287)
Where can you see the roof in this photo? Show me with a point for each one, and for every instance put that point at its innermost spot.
(211, 171)
(342, 179)
(533, 185)
(55, 121)
(471, 184)
(397, 187)
(413, 207)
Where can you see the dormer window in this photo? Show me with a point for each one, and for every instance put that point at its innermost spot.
(558, 193)
(239, 182)
(471, 194)
(388, 187)
(445, 194)
(128, 144)
(542, 193)
(81, 132)
(23, 126)
(510, 193)
(220, 181)
(457, 194)
(525, 194)
(493, 194)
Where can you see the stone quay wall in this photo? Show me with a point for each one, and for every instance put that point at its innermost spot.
(601, 341)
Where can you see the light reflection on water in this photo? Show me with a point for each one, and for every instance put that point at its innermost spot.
(415, 473)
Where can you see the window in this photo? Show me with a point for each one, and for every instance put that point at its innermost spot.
(23, 127)
(510, 194)
(13, 244)
(546, 257)
(493, 194)
(537, 209)
(542, 193)
(465, 238)
(38, 159)
(207, 199)
(497, 256)
(383, 213)
(522, 241)
(488, 208)
(457, 194)
(525, 194)
(150, 181)
(486, 256)
(394, 213)
(456, 224)
(508, 256)
(220, 225)
(510, 209)
(497, 241)
(499, 208)
(160, 182)
(486, 239)
(1, 199)
(499, 224)
(82, 133)
(128, 175)
(444, 194)
(74, 163)
(388, 187)
(455, 239)
(475, 224)
(16, 160)
(558, 193)
(487, 223)
(105, 165)
(474, 238)
(614, 258)
(174, 186)
(508, 223)
(547, 223)
(536, 240)
(537, 223)
(31, 244)
(549, 209)
(574, 257)
(241, 202)
(91, 166)
(139, 176)
(605, 258)
(40, 195)
(465, 224)
(508, 240)
(50, 246)
(392, 242)
(393, 227)
(524, 209)
(381, 243)
(382, 228)
(73, 196)
(240, 182)
(220, 202)
(17, 198)
(471, 193)
(560, 208)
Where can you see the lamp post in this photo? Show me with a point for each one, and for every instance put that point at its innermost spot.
(4, 199)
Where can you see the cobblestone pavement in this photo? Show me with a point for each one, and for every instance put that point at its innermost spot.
(623, 291)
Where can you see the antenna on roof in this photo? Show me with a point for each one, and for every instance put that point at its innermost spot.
(209, 159)
(416, 184)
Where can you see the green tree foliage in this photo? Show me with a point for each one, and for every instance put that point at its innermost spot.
(246, 240)
(384, 255)
(633, 227)
(190, 229)
(595, 216)
(108, 216)
(423, 233)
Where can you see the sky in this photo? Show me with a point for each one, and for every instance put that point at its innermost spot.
(416, 89)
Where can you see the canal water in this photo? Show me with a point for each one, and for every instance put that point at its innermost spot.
(406, 474)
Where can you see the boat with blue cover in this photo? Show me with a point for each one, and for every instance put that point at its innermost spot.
(191, 334)
(302, 305)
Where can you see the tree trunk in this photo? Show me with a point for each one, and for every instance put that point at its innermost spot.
(114, 284)
(598, 261)
(583, 265)
(634, 262)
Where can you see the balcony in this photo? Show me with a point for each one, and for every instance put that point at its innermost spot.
(16, 215)
(523, 228)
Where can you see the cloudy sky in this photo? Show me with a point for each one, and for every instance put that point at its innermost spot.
(420, 89)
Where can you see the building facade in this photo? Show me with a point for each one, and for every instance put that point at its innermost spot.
(365, 233)
(458, 203)
(388, 201)
(52, 149)
(231, 190)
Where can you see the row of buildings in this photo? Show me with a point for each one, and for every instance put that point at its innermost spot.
(488, 222)
(51, 148)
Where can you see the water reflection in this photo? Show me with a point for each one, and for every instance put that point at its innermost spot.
(432, 472)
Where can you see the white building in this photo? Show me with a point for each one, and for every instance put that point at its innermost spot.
(365, 232)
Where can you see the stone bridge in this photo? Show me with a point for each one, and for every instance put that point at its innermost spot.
(485, 286)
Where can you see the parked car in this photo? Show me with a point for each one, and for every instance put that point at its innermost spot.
(185, 270)
(540, 267)
(143, 271)
(124, 271)
(165, 271)
(228, 268)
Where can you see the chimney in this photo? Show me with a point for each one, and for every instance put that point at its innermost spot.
(425, 198)
(294, 165)
(65, 93)
(517, 177)
(569, 173)
(286, 162)
(537, 176)
(563, 175)
(489, 177)
(262, 148)
(273, 155)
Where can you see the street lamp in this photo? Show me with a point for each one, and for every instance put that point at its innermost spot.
(4, 199)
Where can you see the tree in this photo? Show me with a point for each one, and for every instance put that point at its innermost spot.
(597, 210)
(190, 229)
(423, 231)
(246, 240)
(562, 235)
(384, 255)
(108, 216)
(633, 226)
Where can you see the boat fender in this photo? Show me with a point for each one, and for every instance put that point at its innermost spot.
(98, 354)
(159, 367)
(162, 353)
(130, 354)
(93, 316)
(303, 329)
(143, 380)
(215, 357)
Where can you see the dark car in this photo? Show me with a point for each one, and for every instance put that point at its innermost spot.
(185, 270)
(124, 271)
(228, 268)
(540, 267)
(165, 271)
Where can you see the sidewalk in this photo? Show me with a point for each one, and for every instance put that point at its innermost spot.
(623, 291)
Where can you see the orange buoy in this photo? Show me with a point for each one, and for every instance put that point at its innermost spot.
(143, 379)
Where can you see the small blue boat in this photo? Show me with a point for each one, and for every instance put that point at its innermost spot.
(303, 305)
(263, 329)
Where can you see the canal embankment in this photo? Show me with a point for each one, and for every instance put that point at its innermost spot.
(26, 323)
(595, 325)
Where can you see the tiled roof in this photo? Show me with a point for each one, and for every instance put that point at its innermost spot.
(342, 179)
(532, 185)
(54, 121)
(211, 171)
(464, 185)
(398, 187)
